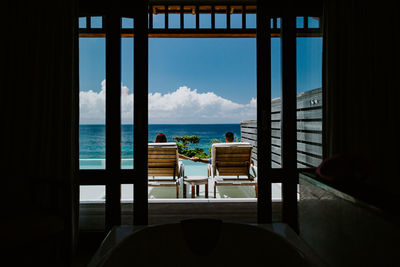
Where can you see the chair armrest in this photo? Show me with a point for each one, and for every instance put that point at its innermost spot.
(254, 170)
(181, 169)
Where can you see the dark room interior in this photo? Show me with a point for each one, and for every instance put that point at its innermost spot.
(348, 208)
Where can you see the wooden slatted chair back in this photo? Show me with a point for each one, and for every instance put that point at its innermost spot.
(163, 159)
(231, 159)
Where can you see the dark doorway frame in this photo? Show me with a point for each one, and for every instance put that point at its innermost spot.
(141, 11)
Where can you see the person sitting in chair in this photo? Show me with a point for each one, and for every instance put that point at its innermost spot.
(229, 138)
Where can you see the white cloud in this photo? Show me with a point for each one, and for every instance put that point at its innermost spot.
(181, 106)
(92, 106)
(188, 106)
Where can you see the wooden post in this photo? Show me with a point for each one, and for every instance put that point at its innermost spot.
(140, 210)
(288, 120)
(264, 202)
(113, 120)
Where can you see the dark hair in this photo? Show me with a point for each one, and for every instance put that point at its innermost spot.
(229, 136)
(160, 138)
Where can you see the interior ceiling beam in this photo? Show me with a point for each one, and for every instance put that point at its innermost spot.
(204, 9)
(126, 7)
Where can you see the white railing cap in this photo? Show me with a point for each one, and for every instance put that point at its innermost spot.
(161, 145)
(232, 144)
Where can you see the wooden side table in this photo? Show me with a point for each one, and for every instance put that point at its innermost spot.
(195, 183)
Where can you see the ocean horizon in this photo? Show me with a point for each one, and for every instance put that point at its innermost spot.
(92, 136)
(102, 124)
(92, 154)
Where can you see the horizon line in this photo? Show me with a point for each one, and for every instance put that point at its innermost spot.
(164, 123)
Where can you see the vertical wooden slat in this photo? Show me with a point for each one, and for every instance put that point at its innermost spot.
(197, 17)
(88, 22)
(288, 134)
(264, 203)
(113, 120)
(150, 17)
(166, 17)
(244, 17)
(228, 17)
(305, 22)
(140, 210)
(212, 17)
(182, 17)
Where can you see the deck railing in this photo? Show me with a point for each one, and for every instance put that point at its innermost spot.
(309, 130)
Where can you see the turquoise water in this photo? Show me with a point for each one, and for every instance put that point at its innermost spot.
(92, 154)
(92, 142)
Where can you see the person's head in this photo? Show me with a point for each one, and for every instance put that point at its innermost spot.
(160, 138)
(229, 137)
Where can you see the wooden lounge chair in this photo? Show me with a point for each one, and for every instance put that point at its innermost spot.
(163, 162)
(231, 165)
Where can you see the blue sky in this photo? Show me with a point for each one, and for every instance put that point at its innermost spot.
(225, 66)
(197, 71)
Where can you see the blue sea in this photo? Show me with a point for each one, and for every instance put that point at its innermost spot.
(92, 140)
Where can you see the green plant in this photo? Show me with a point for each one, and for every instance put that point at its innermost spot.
(185, 140)
(183, 146)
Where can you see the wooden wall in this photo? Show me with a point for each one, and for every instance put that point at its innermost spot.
(309, 130)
